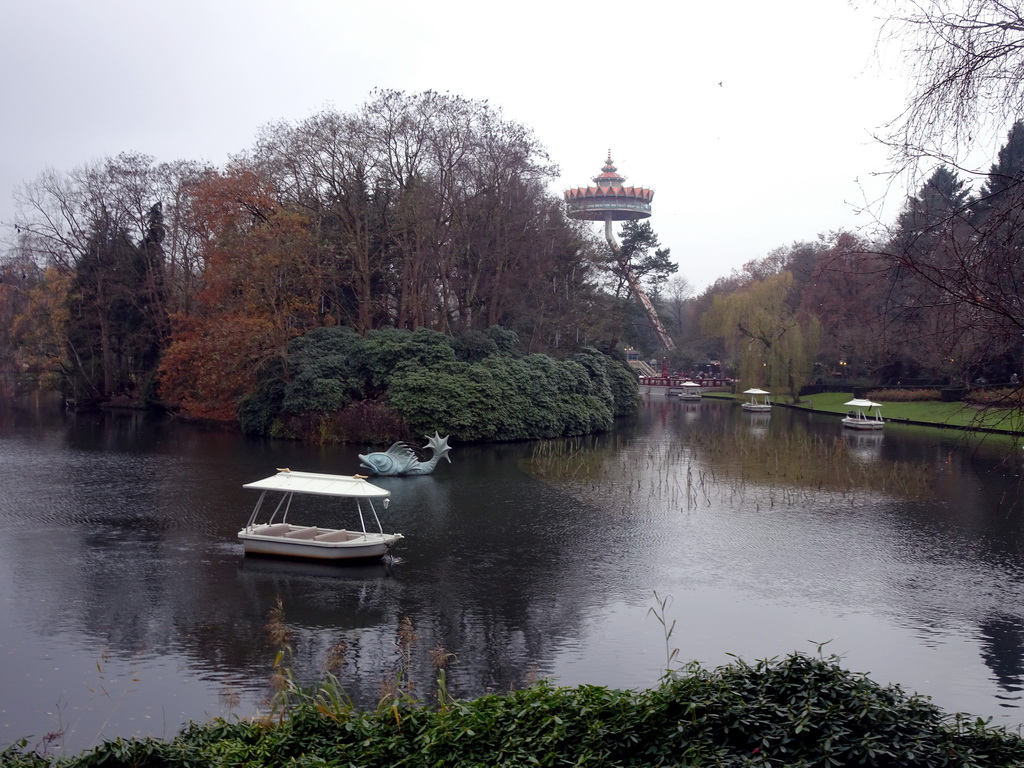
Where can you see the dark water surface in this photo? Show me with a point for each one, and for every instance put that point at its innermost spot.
(127, 608)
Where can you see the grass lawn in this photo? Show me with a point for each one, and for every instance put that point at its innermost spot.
(959, 415)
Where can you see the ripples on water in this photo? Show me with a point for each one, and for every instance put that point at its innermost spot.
(128, 608)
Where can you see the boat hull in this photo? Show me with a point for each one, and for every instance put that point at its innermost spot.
(862, 423)
(756, 407)
(310, 543)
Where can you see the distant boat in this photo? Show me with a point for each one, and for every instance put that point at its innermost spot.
(691, 390)
(863, 414)
(758, 401)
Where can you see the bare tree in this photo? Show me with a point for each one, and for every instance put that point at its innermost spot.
(956, 270)
(966, 60)
(431, 210)
(674, 298)
(955, 273)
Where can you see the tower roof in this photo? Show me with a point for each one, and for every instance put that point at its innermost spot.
(609, 173)
(610, 199)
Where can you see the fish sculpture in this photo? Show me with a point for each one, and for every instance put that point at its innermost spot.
(400, 459)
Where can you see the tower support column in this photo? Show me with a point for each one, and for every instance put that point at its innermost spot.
(635, 287)
(612, 201)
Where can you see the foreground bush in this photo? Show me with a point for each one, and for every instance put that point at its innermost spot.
(800, 711)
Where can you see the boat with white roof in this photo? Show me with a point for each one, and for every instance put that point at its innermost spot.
(759, 400)
(863, 414)
(270, 532)
(690, 390)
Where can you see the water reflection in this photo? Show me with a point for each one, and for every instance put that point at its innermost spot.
(1003, 650)
(864, 446)
(690, 411)
(758, 423)
(120, 562)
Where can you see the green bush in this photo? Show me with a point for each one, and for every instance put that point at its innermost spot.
(386, 352)
(326, 373)
(523, 409)
(503, 398)
(798, 711)
(624, 386)
(258, 412)
(455, 400)
(471, 387)
(473, 346)
(504, 339)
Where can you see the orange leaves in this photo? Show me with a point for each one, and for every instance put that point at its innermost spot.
(261, 288)
(260, 258)
(211, 363)
(221, 204)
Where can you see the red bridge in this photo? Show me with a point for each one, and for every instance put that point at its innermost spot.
(676, 382)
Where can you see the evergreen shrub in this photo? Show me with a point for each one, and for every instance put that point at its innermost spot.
(797, 711)
(470, 388)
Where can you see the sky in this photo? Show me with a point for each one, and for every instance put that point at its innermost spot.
(752, 121)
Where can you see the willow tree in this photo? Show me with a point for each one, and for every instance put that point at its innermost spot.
(769, 343)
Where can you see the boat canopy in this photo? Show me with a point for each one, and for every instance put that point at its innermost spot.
(755, 392)
(319, 484)
(857, 403)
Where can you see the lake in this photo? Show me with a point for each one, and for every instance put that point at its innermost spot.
(127, 607)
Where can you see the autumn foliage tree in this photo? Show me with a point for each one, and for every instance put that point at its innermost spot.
(27, 351)
(842, 285)
(260, 290)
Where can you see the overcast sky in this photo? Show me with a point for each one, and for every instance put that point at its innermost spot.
(751, 120)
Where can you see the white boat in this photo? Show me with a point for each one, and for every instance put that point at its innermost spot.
(691, 390)
(758, 401)
(863, 414)
(271, 533)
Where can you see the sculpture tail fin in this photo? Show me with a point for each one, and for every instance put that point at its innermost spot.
(439, 445)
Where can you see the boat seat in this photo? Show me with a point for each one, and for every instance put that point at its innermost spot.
(333, 536)
(277, 529)
(303, 533)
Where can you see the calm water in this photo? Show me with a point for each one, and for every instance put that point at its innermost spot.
(127, 608)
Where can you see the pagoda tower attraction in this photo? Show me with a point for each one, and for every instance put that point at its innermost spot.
(611, 200)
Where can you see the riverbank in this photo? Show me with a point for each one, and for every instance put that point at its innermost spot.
(801, 710)
(931, 413)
